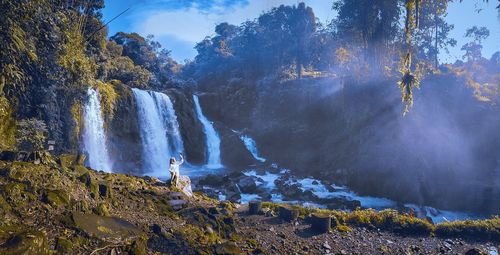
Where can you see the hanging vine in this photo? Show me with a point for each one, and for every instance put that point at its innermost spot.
(409, 79)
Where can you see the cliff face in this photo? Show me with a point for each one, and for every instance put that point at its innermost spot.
(354, 133)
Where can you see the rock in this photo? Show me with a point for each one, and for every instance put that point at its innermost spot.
(139, 247)
(86, 179)
(185, 185)
(102, 210)
(288, 214)
(228, 248)
(67, 160)
(105, 190)
(28, 242)
(254, 207)
(63, 245)
(320, 223)
(177, 204)
(327, 246)
(476, 251)
(56, 198)
(111, 229)
(247, 185)
(214, 180)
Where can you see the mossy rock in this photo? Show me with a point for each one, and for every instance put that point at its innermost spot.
(101, 210)
(139, 247)
(67, 160)
(28, 242)
(228, 248)
(4, 205)
(86, 179)
(105, 190)
(81, 206)
(111, 229)
(16, 193)
(56, 198)
(63, 245)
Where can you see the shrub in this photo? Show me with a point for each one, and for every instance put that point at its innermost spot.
(481, 229)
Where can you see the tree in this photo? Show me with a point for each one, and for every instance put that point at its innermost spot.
(432, 34)
(473, 48)
(369, 24)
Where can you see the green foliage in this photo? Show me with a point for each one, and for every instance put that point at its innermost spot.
(73, 56)
(487, 229)
(31, 134)
(108, 97)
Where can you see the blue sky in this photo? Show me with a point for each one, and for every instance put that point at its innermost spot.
(179, 24)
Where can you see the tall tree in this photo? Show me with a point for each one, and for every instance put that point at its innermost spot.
(473, 48)
(433, 30)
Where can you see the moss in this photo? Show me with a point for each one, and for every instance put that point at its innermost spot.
(63, 245)
(7, 125)
(4, 206)
(67, 160)
(76, 113)
(108, 97)
(344, 229)
(139, 247)
(483, 229)
(57, 198)
(101, 210)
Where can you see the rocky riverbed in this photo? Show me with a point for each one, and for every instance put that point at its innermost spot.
(66, 208)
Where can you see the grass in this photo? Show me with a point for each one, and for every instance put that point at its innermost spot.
(402, 223)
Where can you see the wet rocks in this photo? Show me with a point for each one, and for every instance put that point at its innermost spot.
(247, 184)
(476, 251)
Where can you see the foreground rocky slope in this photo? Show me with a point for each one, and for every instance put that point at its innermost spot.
(65, 208)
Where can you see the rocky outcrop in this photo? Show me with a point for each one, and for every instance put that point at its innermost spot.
(124, 141)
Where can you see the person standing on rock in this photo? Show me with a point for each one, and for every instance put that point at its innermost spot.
(174, 170)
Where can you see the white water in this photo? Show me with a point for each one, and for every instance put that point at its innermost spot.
(94, 136)
(213, 140)
(267, 179)
(252, 147)
(159, 131)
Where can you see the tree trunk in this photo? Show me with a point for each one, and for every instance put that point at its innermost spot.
(436, 63)
(288, 214)
(321, 223)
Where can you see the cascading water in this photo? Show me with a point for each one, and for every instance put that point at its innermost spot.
(252, 147)
(213, 140)
(94, 136)
(159, 132)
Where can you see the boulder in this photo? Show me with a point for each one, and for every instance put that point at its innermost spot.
(476, 251)
(110, 229)
(288, 214)
(228, 248)
(185, 185)
(56, 198)
(247, 185)
(254, 207)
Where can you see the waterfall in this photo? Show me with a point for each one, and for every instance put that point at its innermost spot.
(94, 137)
(213, 140)
(159, 131)
(252, 147)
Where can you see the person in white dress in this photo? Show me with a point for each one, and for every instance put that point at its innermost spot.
(174, 170)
